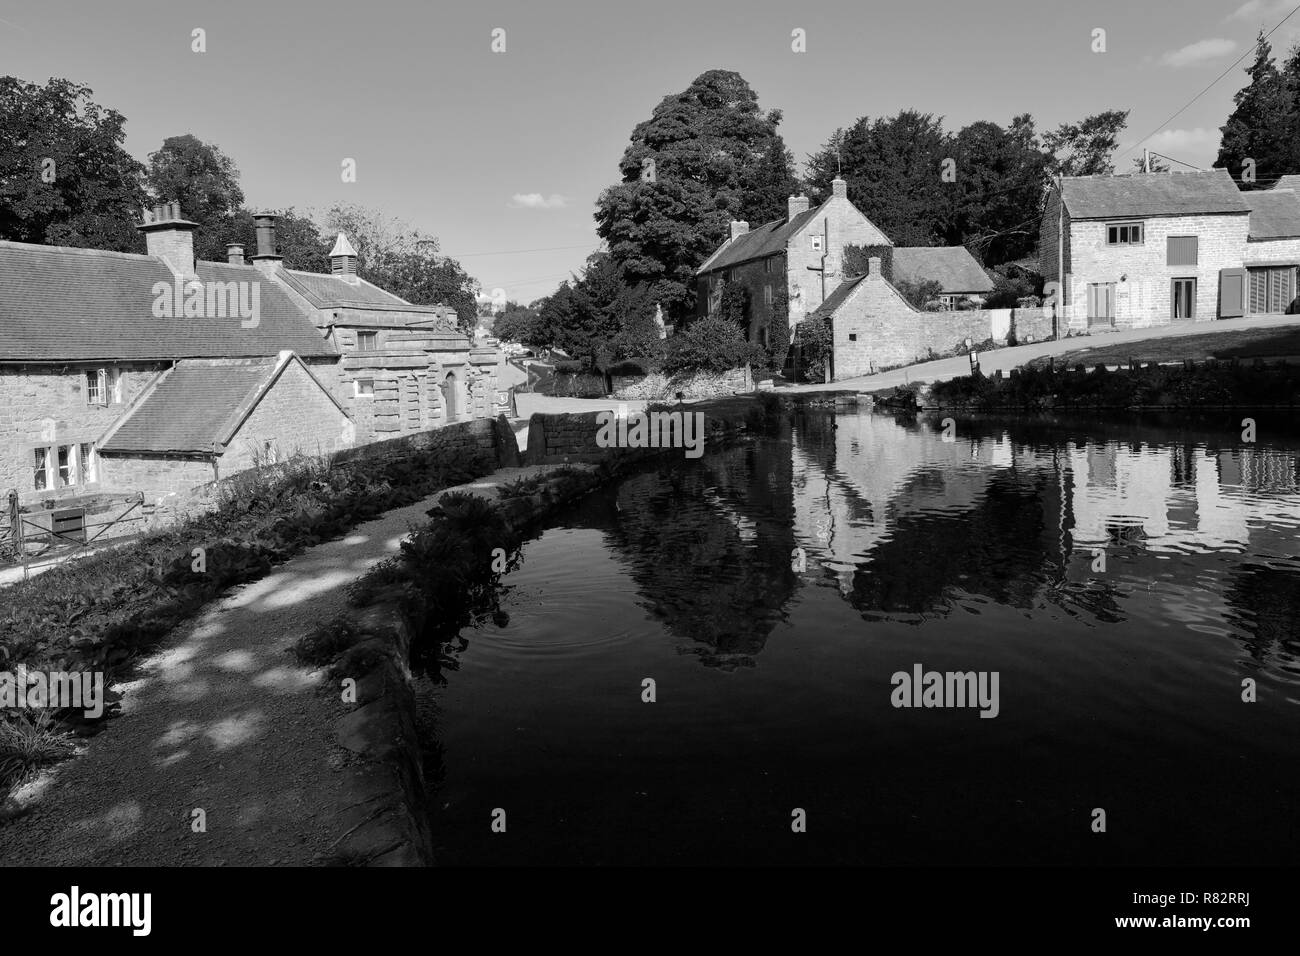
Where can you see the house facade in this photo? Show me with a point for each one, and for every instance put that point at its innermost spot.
(1146, 249)
(124, 374)
(1272, 254)
(801, 256)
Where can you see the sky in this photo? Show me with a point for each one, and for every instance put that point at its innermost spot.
(502, 155)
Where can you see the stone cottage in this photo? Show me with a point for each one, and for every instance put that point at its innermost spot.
(1145, 249)
(126, 374)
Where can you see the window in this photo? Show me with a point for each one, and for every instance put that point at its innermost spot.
(103, 386)
(97, 387)
(1181, 250)
(853, 336)
(67, 466)
(768, 263)
(767, 296)
(41, 469)
(365, 388)
(949, 302)
(367, 341)
(1184, 299)
(1124, 234)
(816, 243)
(86, 459)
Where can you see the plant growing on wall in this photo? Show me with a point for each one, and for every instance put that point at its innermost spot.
(812, 337)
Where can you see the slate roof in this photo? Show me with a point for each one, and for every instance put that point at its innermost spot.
(1143, 195)
(766, 240)
(62, 304)
(836, 298)
(1274, 213)
(953, 267)
(198, 403)
(1289, 181)
(332, 292)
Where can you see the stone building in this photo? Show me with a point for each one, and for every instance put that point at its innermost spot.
(126, 374)
(1146, 249)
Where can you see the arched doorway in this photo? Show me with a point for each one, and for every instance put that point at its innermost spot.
(450, 398)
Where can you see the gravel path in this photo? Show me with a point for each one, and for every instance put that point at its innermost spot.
(220, 719)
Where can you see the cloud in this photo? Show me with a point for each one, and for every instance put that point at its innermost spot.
(1261, 9)
(1199, 52)
(538, 201)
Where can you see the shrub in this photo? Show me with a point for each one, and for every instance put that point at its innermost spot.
(919, 294)
(711, 345)
(812, 336)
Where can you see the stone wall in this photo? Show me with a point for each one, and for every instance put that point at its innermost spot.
(876, 329)
(847, 227)
(563, 437)
(294, 418)
(46, 407)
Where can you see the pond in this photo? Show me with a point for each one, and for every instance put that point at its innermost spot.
(1127, 584)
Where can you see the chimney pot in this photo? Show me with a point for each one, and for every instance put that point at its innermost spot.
(738, 228)
(266, 257)
(175, 210)
(235, 253)
(171, 238)
(797, 205)
(839, 188)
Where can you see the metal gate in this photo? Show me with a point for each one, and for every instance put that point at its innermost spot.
(56, 533)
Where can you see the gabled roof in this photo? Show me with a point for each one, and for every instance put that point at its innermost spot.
(199, 404)
(1274, 213)
(1143, 195)
(768, 239)
(334, 292)
(836, 298)
(1289, 181)
(953, 267)
(68, 305)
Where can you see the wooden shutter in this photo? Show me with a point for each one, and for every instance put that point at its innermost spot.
(1258, 291)
(1232, 293)
(1181, 250)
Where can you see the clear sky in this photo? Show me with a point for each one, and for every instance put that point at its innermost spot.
(502, 155)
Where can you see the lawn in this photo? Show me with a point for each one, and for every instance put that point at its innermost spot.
(1240, 344)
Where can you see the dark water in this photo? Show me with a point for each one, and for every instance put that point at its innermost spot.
(1120, 690)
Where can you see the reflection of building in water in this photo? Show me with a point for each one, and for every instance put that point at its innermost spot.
(898, 500)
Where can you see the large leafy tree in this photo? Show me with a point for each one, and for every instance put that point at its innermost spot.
(404, 261)
(1085, 148)
(893, 167)
(65, 178)
(717, 157)
(205, 182)
(1262, 125)
(999, 189)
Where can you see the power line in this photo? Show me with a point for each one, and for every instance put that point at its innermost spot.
(518, 252)
(1234, 65)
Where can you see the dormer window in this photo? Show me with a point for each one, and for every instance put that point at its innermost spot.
(367, 341)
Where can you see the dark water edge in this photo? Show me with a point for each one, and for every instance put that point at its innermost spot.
(1119, 690)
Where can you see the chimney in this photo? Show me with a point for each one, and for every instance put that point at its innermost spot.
(266, 258)
(798, 204)
(839, 188)
(235, 253)
(343, 258)
(738, 229)
(171, 239)
(873, 267)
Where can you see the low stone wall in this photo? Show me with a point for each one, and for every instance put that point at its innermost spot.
(656, 386)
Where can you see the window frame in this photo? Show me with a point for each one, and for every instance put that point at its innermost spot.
(818, 245)
(1196, 251)
(40, 463)
(367, 336)
(1130, 225)
(87, 463)
(358, 390)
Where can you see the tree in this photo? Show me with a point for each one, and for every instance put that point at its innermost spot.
(205, 182)
(516, 325)
(404, 261)
(1260, 127)
(1154, 164)
(65, 177)
(297, 238)
(893, 167)
(716, 157)
(920, 293)
(999, 189)
(1085, 148)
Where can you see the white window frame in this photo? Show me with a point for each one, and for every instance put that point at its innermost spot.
(1130, 226)
(358, 393)
(71, 466)
(816, 242)
(368, 335)
(87, 463)
(43, 472)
